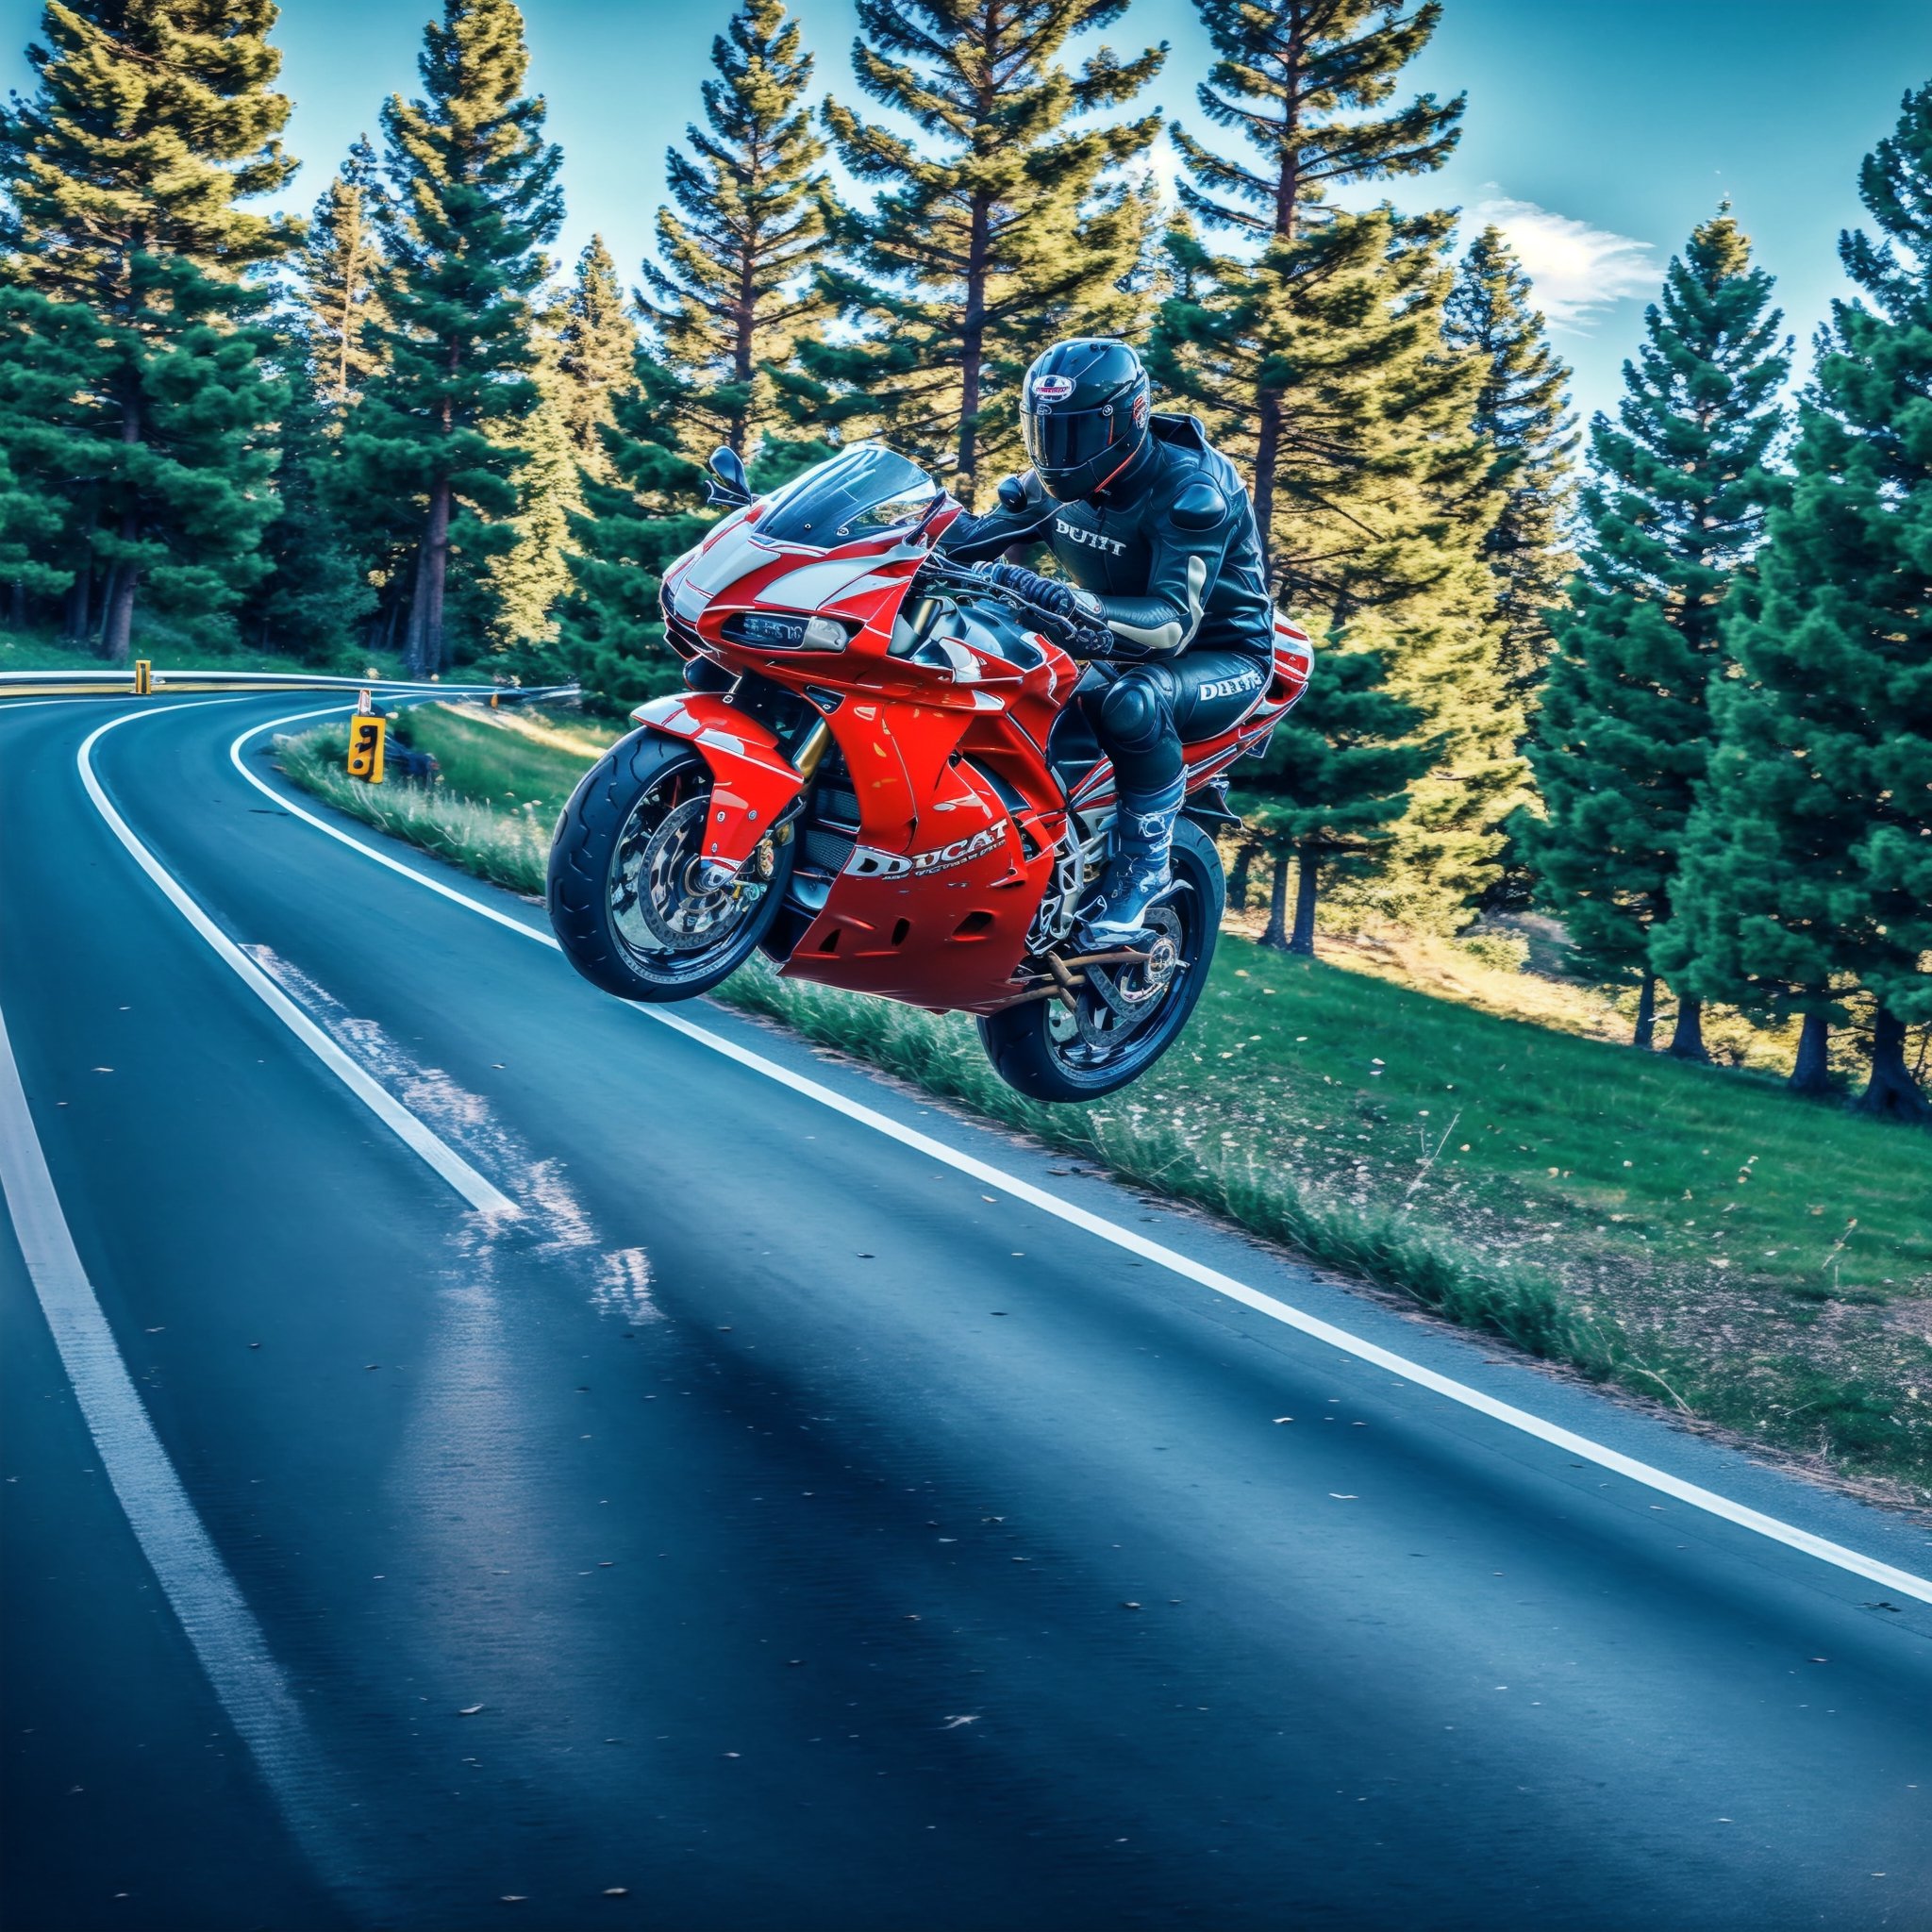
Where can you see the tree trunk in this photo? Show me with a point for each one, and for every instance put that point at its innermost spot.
(1811, 1070)
(117, 620)
(1288, 186)
(1276, 934)
(117, 630)
(1891, 1092)
(1267, 446)
(1687, 1037)
(16, 605)
(744, 325)
(1646, 1014)
(77, 626)
(423, 651)
(434, 579)
(1241, 877)
(418, 603)
(96, 638)
(1307, 876)
(973, 348)
(389, 620)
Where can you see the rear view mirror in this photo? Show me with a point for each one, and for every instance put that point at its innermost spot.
(733, 486)
(939, 502)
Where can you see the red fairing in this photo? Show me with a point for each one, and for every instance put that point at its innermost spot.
(942, 731)
(752, 779)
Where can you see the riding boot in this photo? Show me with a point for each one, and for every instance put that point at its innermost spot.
(1138, 875)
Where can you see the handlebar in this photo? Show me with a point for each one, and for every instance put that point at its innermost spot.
(1078, 637)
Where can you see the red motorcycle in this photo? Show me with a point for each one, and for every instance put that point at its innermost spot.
(879, 775)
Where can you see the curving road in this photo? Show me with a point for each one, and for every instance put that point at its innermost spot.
(779, 1503)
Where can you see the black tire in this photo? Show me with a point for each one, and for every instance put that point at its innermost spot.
(622, 798)
(1025, 1043)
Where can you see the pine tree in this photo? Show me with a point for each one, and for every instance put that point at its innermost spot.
(337, 280)
(1011, 227)
(123, 173)
(1811, 863)
(1335, 780)
(1314, 350)
(1521, 417)
(1293, 78)
(1674, 512)
(734, 288)
(596, 344)
(611, 636)
(523, 583)
(315, 592)
(473, 199)
(48, 356)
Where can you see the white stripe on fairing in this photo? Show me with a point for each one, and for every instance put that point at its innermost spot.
(395, 1117)
(1758, 1524)
(226, 1640)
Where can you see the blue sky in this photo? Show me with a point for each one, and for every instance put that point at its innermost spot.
(1598, 132)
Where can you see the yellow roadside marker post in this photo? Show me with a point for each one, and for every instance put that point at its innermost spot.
(366, 733)
(143, 677)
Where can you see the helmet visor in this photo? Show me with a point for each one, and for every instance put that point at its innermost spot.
(1059, 441)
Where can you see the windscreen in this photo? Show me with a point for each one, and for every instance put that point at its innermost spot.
(864, 491)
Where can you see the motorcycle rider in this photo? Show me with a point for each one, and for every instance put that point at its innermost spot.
(1155, 531)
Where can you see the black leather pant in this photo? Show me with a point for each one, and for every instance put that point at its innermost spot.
(1143, 713)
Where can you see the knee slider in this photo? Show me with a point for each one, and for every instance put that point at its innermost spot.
(1137, 713)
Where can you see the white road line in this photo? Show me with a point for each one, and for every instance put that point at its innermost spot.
(421, 1141)
(1900, 1581)
(225, 1637)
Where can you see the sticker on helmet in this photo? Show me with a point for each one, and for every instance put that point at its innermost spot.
(1052, 388)
(1140, 409)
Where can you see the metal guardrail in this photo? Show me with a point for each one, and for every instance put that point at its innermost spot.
(119, 681)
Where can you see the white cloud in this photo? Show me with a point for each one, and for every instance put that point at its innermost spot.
(1577, 269)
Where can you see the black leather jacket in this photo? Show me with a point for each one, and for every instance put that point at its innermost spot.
(1169, 547)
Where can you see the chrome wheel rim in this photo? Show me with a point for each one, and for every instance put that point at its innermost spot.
(660, 910)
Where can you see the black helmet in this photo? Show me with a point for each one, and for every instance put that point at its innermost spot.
(1083, 414)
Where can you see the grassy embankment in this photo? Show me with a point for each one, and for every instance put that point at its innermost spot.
(1692, 1234)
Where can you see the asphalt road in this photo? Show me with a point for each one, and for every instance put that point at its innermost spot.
(774, 1524)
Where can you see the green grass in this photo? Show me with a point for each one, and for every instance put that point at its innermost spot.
(524, 760)
(1693, 1234)
(506, 848)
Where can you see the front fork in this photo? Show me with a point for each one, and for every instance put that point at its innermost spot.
(714, 874)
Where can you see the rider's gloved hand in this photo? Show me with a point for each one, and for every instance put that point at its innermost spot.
(1044, 594)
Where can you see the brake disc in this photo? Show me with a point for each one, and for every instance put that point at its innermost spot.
(1133, 991)
(679, 916)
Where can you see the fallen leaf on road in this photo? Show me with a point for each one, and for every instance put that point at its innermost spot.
(953, 1724)
(1284, 1418)
(470, 1710)
(1340, 1498)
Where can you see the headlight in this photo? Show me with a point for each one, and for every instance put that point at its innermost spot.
(770, 631)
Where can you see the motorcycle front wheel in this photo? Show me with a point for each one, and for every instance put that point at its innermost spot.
(625, 896)
(1123, 1019)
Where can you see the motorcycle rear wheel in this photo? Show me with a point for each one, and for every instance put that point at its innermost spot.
(623, 897)
(1049, 1053)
